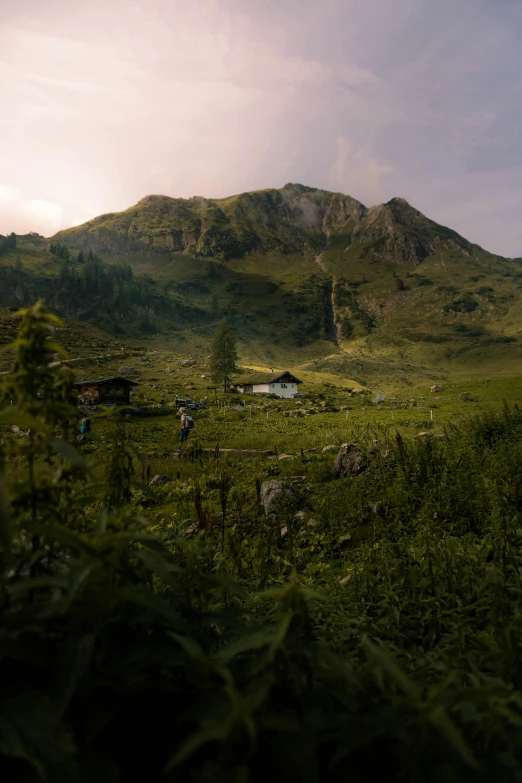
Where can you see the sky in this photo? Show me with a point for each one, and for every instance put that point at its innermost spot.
(107, 101)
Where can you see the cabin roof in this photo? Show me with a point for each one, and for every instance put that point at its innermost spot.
(103, 381)
(279, 377)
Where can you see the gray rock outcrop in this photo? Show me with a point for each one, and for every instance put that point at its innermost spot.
(276, 495)
(350, 461)
(160, 479)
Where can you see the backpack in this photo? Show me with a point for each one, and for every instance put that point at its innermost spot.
(188, 423)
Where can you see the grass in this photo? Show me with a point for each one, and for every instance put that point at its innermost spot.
(381, 624)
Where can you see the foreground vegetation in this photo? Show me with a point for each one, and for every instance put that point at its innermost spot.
(181, 634)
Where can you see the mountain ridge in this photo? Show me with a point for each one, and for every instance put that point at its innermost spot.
(295, 218)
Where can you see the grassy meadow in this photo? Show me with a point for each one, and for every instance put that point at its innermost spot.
(369, 625)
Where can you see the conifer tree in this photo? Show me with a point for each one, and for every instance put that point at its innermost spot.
(223, 355)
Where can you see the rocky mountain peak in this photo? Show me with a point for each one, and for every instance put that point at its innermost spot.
(293, 219)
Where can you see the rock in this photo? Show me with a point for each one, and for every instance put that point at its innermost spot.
(276, 494)
(128, 370)
(465, 396)
(189, 363)
(160, 479)
(423, 434)
(436, 388)
(284, 530)
(379, 509)
(328, 449)
(350, 461)
(128, 417)
(286, 456)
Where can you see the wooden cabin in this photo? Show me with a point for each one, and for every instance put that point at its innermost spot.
(106, 391)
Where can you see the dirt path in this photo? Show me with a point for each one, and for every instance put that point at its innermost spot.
(334, 329)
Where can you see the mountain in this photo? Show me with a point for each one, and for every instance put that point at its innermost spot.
(305, 276)
(291, 220)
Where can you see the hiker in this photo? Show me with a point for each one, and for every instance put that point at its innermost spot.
(187, 423)
(85, 427)
(162, 402)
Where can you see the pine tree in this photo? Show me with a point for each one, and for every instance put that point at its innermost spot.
(223, 355)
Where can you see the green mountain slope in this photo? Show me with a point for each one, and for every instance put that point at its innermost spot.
(304, 275)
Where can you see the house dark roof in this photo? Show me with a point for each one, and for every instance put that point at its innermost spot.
(103, 381)
(279, 377)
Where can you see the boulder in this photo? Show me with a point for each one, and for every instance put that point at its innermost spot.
(128, 370)
(160, 479)
(189, 363)
(350, 461)
(275, 495)
(436, 388)
(328, 449)
(286, 456)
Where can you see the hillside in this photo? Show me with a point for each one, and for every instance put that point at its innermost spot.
(82, 341)
(305, 276)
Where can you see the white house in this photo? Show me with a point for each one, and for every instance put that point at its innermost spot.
(284, 384)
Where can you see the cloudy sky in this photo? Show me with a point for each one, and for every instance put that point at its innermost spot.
(106, 101)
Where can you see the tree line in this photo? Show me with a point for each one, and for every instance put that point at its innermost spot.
(7, 243)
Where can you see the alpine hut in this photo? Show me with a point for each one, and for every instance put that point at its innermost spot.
(283, 384)
(106, 391)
